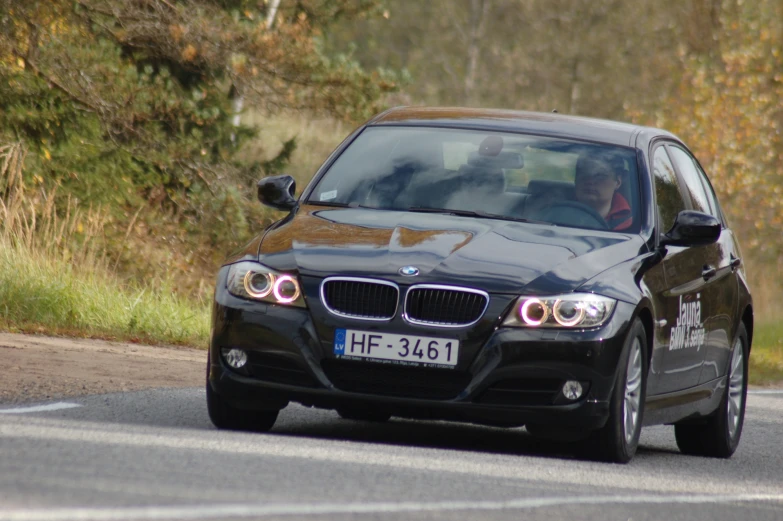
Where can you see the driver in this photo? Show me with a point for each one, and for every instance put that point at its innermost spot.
(597, 185)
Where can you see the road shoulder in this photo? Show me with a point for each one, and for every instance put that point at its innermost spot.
(36, 368)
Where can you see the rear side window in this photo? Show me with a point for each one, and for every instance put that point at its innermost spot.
(691, 176)
(711, 197)
(667, 190)
(698, 184)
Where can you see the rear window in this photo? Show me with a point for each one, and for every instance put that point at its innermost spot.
(515, 176)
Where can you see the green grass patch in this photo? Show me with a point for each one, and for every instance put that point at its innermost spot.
(40, 293)
(766, 355)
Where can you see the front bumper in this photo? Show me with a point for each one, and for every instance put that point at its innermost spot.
(504, 376)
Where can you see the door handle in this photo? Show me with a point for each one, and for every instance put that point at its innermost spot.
(734, 262)
(707, 272)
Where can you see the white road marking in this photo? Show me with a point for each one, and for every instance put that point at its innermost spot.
(346, 453)
(40, 408)
(767, 391)
(264, 509)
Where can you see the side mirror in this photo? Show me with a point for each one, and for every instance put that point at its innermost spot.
(278, 192)
(692, 229)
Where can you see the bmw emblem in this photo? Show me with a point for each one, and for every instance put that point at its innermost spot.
(409, 271)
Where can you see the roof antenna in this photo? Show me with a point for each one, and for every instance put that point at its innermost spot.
(554, 110)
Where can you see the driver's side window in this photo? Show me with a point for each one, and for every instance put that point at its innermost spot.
(668, 193)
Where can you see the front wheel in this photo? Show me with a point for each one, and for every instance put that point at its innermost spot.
(224, 416)
(616, 442)
(718, 436)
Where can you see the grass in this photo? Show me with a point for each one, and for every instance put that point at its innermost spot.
(766, 356)
(54, 295)
(55, 277)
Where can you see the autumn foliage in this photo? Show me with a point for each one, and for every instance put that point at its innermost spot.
(126, 99)
(728, 107)
(134, 104)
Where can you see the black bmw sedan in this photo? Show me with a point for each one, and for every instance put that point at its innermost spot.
(576, 276)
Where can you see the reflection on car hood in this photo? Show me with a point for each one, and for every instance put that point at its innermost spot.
(494, 255)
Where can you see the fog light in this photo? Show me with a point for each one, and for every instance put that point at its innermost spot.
(572, 390)
(236, 358)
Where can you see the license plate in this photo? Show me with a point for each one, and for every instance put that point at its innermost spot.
(397, 348)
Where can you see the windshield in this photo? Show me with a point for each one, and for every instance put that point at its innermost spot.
(486, 174)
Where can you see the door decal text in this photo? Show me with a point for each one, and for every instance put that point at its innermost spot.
(688, 332)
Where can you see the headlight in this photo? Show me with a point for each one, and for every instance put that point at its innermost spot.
(574, 311)
(255, 281)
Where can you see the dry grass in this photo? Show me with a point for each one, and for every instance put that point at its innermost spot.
(316, 138)
(766, 358)
(41, 245)
(55, 277)
(766, 283)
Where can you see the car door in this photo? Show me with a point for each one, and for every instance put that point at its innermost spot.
(677, 362)
(720, 295)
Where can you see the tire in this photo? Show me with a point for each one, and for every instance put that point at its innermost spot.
(617, 441)
(719, 434)
(224, 416)
(363, 414)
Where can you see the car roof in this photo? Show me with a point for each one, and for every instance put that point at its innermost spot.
(542, 123)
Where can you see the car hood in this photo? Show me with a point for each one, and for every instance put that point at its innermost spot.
(494, 255)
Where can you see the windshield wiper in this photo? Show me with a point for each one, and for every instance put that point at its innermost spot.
(444, 211)
(473, 213)
(327, 203)
(447, 211)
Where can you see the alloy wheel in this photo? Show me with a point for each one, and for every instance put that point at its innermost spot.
(736, 386)
(633, 390)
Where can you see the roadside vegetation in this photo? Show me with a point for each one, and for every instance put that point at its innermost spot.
(766, 357)
(55, 275)
(40, 294)
(132, 133)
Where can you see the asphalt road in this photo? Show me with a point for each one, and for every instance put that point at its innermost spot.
(154, 455)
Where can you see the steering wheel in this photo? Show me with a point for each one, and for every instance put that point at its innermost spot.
(573, 213)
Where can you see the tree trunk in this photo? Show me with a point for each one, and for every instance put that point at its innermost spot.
(573, 102)
(270, 17)
(478, 17)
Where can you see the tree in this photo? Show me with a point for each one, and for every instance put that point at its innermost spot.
(589, 57)
(727, 106)
(120, 99)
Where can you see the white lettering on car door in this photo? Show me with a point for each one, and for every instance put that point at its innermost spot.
(689, 330)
